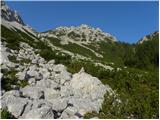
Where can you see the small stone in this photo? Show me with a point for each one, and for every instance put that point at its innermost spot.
(32, 81)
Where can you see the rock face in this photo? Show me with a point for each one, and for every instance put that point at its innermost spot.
(10, 15)
(52, 92)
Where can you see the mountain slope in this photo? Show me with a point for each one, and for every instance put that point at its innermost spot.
(34, 85)
(76, 39)
(53, 72)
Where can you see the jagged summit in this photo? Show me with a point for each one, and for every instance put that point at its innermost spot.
(12, 20)
(148, 37)
(10, 15)
(83, 33)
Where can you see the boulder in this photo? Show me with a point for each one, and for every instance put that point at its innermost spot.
(40, 103)
(38, 76)
(59, 68)
(59, 104)
(88, 92)
(85, 105)
(45, 73)
(34, 61)
(61, 74)
(41, 60)
(32, 81)
(21, 75)
(40, 113)
(71, 111)
(87, 86)
(66, 91)
(27, 109)
(15, 93)
(10, 65)
(47, 84)
(51, 94)
(51, 62)
(32, 92)
(32, 71)
(15, 105)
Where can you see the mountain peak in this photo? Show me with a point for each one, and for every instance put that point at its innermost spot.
(148, 37)
(83, 33)
(10, 15)
(84, 25)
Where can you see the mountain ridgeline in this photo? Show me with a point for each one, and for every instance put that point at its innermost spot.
(104, 47)
(67, 57)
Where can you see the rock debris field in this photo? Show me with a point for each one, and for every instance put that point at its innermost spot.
(52, 92)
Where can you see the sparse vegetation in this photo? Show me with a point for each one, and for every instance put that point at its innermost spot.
(6, 115)
(9, 80)
(73, 48)
(138, 93)
(12, 59)
(25, 61)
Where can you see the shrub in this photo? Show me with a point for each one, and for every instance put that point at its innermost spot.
(6, 115)
(10, 79)
(12, 59)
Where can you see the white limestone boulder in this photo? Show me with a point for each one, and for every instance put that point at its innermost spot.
(15, 105)
(61, 74)
(32, 92)
(84, 84)
(40, 113)
(51, 94)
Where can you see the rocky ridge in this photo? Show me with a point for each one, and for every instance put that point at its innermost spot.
(10, 15)
(148, 37)
(12, 20)
(82, 34)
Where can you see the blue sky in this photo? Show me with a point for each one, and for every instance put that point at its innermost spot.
(128, 21)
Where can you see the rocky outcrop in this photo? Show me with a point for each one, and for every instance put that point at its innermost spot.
(82, 33)
(10, 15)
(52, 92)
(148, 37)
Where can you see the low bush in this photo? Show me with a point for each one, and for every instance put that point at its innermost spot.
(6, 115)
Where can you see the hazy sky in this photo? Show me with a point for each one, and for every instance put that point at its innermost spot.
(128, 21)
